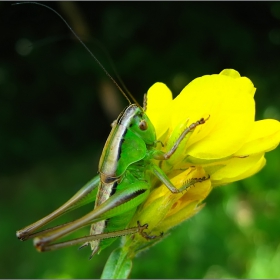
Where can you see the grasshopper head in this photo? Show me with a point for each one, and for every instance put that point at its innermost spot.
(143, 127)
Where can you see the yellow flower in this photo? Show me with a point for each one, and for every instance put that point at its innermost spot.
(229, 146)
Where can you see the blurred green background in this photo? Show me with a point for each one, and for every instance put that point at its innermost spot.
(56, 106)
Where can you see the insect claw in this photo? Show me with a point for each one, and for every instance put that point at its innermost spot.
(158, 141)
(93, 253)
(82, 246)
(39, 245)
(141, 228)
(146, 235)
(22, 235)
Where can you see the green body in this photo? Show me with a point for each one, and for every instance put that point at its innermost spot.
(123, 162)
(122, 185)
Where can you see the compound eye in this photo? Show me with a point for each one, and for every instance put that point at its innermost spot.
(143, 125)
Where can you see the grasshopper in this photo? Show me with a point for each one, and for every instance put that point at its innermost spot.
(122, 184)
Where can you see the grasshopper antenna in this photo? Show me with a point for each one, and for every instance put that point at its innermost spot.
(89, 51)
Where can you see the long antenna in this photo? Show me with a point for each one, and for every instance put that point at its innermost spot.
(89, 51)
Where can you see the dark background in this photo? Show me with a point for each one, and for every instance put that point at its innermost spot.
(55, 116)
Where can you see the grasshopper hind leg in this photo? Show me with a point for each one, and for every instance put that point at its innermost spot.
(86, 239)
(84, 196)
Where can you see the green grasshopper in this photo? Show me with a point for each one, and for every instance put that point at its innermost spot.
(124, 182)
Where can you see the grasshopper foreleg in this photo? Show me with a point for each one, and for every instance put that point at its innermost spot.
(167, 155)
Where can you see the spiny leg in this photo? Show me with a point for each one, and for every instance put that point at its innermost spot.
(166, 181)
(167, 155)
(138, 229)
(112, 207)
(192, 182)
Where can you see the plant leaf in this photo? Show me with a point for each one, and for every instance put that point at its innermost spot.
(118, 266)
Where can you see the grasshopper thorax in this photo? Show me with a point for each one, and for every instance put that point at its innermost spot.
(140, 124)
(128, 141)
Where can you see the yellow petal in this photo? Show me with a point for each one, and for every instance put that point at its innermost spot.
(235, 167)
(244, 83)
(164, 209)
(251, 171)
(178, 181)
(231, 109)
(264, 137)
(197, 193)
(154, 213)
(159, 98)
(182, 215)
(189, 204)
